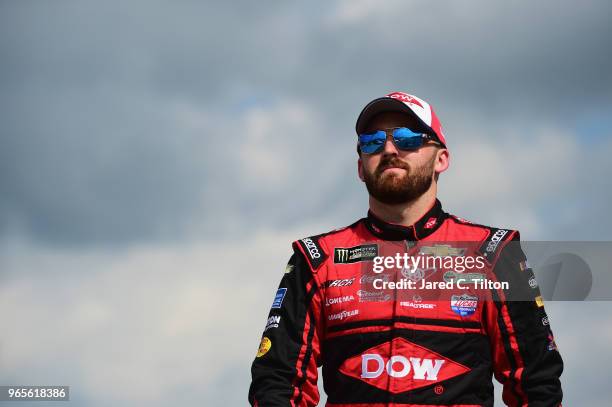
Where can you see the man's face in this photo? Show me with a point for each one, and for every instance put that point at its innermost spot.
(394, 176)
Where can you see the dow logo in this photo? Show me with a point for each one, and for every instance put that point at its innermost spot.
(410, 367)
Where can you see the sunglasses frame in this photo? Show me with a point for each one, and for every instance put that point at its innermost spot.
(389, 133)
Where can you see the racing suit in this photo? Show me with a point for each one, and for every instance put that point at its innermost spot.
(377, 350)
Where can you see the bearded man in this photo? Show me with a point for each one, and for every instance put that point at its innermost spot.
(400, 346)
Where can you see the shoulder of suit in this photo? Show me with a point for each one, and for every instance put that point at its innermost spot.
(316, 248)
(492, 238)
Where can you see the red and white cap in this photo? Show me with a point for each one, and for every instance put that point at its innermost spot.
(404, 103)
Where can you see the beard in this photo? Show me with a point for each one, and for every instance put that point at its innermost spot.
(393, 189)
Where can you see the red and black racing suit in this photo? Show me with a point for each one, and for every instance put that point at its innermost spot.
(419, 353)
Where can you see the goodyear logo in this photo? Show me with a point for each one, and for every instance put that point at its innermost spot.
(346, 255)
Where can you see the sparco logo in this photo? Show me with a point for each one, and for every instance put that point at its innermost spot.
(312, 248)
(345, 282)
(495, 239)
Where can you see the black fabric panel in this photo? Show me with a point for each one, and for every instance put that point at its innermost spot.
(311, 331)
(411, 320)
(543, 366)
(273, 373)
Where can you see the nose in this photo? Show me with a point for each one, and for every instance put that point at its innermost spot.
(390, 148)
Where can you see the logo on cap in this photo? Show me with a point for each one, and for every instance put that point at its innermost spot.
(406, 98)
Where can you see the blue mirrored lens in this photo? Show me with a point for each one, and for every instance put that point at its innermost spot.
(406, 139)
(373, 142)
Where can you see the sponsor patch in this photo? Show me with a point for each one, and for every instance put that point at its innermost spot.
(338, 300)
(343, 282)
(490, 246)
(431, 222)
(264, 346)
(468, 278)
(533, 283)
(279, 297)
(369, 279)
(343, 315)
(347, 255)
(418, 274)
(495, 239)
(289, 268)
(273, 322)
(398, 366)
(539, 301)
(464, 304)
(552, 345)
(313, 250)
(376, 296)
(524, 265)
(442, 250)
(545, 321)
(417, 303)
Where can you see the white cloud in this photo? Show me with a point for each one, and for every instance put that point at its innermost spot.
(358, 11)
(270, 137)
(504, 175)
(139, 326)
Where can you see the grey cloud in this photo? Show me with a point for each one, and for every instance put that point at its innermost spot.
(131, 130)
(121, 123)
(96, 165)
(511, 58)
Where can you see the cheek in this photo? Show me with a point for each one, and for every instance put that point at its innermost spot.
(369, 164)
(424, 159)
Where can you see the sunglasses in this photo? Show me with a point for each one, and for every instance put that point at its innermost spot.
(403, 138)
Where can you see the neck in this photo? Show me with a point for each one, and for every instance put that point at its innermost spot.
(405, 214)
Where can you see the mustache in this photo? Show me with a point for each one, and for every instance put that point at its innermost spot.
(391, 162)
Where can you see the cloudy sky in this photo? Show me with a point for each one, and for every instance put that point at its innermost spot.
(157, 159)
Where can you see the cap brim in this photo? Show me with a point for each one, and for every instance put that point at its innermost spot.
(387, 104)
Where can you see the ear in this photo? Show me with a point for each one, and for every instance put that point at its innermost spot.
(442, 160)
(360, 169)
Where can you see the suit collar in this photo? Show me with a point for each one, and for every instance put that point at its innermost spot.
(424, 227)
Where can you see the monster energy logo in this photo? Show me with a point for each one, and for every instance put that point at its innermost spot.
(345, 255)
